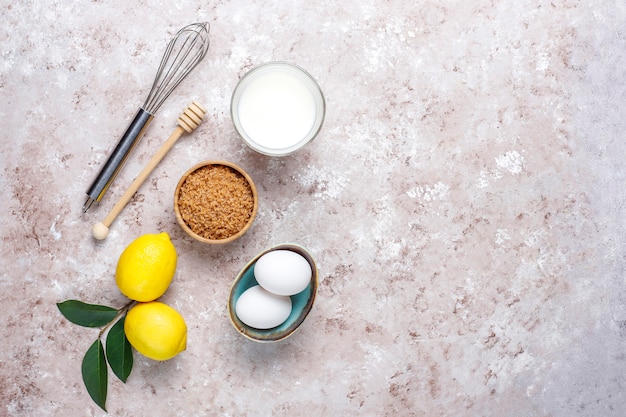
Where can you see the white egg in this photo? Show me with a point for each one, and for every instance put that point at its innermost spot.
(283, 272)
(261, 309)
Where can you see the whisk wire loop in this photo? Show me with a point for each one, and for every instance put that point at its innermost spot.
(188, 47)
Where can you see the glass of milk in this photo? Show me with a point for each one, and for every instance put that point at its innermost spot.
(277, 108)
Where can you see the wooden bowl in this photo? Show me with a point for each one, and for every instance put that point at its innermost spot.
(191, 217)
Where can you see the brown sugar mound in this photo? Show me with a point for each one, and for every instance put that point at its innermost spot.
(215, 201)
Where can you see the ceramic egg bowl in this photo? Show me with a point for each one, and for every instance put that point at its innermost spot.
(188, 224)
(301, 302)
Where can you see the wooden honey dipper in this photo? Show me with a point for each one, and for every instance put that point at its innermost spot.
(187, 122)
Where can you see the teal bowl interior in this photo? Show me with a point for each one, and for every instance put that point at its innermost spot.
(301, 303)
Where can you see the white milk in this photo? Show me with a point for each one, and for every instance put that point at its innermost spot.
(277, 108)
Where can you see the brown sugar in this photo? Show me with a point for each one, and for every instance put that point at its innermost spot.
(215, 201)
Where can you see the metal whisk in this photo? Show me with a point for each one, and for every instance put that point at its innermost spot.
(186, 49)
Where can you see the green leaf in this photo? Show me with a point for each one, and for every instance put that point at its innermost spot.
(119, 351)
(95, 376)
(87, 315)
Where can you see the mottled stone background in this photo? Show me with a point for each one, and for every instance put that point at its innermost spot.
(464, 202)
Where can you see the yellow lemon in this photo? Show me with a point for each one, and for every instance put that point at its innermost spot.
(146, 267)
(156, 330)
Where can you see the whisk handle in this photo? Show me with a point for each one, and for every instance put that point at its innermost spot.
(118, 157)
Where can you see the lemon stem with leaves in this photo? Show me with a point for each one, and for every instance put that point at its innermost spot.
(118, 350)
(119, 314)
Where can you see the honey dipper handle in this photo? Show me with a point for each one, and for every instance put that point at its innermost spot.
(187, 122)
